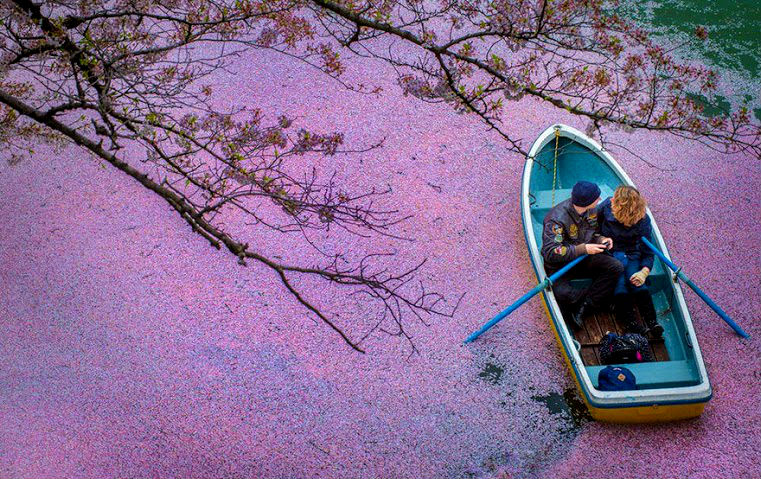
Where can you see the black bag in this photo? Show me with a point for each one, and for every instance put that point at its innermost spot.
(629, 348)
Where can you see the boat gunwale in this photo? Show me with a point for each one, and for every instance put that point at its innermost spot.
(702, 392)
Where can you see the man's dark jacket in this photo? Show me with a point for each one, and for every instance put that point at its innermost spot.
(565, 232)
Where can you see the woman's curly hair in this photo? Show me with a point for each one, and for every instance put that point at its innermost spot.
(628, 205)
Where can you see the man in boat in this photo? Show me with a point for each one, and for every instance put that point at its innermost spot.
(570, 230)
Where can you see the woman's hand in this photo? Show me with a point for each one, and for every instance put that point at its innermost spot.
(638, 278)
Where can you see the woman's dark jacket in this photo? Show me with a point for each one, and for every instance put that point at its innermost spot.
(626, 239)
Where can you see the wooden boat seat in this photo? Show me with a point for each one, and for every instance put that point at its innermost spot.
(657, 374)
(543, 198)
(656, 277)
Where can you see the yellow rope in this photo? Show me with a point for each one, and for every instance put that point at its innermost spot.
(555, 167)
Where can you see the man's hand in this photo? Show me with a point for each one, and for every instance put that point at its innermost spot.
(608, 242)
(594, 248)
(638, 278)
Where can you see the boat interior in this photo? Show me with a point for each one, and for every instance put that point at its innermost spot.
(675, 362)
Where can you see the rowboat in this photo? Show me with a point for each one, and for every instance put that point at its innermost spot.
(675, 386)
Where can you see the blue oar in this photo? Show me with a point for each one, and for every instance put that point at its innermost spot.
(680, 274)
(538, 288)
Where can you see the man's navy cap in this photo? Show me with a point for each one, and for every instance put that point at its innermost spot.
(584, 193)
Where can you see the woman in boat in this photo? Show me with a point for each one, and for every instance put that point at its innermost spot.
(623, 219)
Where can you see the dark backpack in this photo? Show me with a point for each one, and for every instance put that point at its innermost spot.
(616, 378)
(629, 348)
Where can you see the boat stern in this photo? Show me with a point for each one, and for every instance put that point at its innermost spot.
(647, 414)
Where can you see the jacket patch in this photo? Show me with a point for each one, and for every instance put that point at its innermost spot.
(561, 250)
(573, 231)
(557, 229)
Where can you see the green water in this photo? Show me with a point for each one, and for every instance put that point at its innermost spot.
(733, 47)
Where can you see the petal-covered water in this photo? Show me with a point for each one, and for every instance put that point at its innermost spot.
(130, 348)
